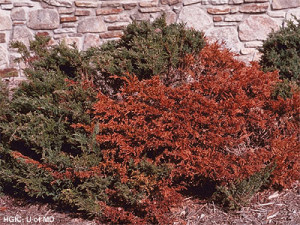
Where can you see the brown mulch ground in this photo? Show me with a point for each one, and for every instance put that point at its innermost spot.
(268, 207)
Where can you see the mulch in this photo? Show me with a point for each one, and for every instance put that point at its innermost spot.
(268, 207)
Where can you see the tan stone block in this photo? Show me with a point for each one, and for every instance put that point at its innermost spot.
(65, 10)
(64, 30)
(171, 17)
(257, 27)
(247, 51)
(43, 19)
(111, 18)
(129, 6)
(23, 4)
(192, 15)
(3, 2)
(91, 40)
(253, 44)
(277, 14)
(228, 35)
(94, 24)
(150, 10)
(109, 4)
(58, 3)
(86, 4)
(7, 7)
(82, 12)
(233, 18)
(190, 2)
(42, 33)
(217, 18)
(234, 9)
(218, 11)
(285, 4)
(254, 8)
(140, 16)
(170, 2)
(108, 11)
(5, 23)
(68, 25)
(111, 34)
(116, 18)
(18, 14)
(148, 4)
(67, 19)
(23, 34)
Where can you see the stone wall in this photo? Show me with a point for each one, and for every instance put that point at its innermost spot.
(242, 24)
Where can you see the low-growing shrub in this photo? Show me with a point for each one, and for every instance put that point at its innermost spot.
(237, 194)
(127, 160)
(42, 156)
(280, 51)
(3, 95)
(4, 101)
(36, 125)
(41, 56)
(147, 49)
(223, 126)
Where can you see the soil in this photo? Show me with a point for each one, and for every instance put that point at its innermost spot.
(268, 207)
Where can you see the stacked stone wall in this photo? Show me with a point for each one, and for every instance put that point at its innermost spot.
(242, 24)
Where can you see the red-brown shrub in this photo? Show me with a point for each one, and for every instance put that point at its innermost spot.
(222, 125)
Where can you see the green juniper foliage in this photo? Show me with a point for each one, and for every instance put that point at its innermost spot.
(285, 89)
(42, 155)
(147, 49)
(281, 52)
(37, 120)
(48, 152)
(3, 97)
(236, 195)
(60, 58)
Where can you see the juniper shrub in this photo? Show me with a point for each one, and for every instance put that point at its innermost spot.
(127, 160)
